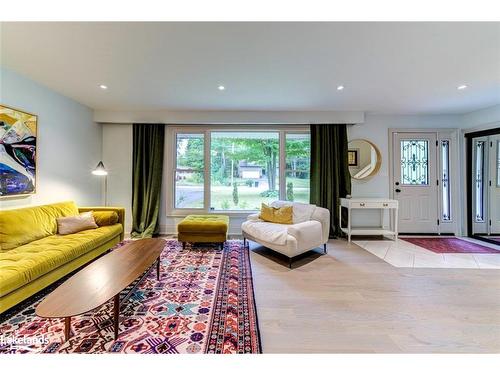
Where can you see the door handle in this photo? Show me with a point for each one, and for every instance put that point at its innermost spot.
(398, 190)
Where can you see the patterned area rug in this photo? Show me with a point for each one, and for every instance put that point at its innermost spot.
(204, 303)
(450, 245)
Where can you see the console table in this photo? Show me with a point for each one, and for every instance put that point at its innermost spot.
(370, 203)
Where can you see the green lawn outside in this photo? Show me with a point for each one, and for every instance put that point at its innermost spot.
(249, 198)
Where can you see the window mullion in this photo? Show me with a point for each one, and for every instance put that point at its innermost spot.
(282, 166)
(207, 175)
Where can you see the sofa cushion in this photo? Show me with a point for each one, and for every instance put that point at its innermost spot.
(103, 218)
(25, 263)
(75, 224)
(24, 225)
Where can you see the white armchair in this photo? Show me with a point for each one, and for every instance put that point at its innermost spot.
(310, 229)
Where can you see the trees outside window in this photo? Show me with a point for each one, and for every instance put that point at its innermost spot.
(244, 169)
(298, 160)
(189, 172)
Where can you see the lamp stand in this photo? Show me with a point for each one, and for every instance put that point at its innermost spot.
(105, 190)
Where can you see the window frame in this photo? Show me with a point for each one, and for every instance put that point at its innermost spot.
(206, 130)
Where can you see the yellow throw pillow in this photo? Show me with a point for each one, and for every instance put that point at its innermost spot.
(282, 215)
(104, 218)
(74, 224)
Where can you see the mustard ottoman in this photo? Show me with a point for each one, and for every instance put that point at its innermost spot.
(203, 228)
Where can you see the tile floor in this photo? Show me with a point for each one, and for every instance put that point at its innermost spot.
(401, 253)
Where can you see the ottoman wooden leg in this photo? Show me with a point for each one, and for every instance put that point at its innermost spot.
(183, 245)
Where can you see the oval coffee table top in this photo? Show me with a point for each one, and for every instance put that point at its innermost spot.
(101, 280)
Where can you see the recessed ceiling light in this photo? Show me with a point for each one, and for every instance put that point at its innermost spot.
(340, 88)
(221, 88)
(462, 87)
(103, 87)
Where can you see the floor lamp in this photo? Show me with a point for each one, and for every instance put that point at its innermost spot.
(101, 171)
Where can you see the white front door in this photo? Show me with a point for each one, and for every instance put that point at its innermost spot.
(415, 181)
(494, 182)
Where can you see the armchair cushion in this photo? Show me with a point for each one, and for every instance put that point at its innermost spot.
(301, 211)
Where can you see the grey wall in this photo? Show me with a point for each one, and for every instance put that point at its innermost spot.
(69, 143)
(117, 157)
(376, 129)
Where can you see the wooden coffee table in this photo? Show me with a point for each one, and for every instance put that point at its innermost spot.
(101, 281)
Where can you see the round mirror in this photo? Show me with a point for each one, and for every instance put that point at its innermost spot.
(364, 159)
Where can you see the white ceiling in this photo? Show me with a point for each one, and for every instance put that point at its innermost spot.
(385, 67)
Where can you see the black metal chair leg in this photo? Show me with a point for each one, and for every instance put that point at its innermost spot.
(324, 248)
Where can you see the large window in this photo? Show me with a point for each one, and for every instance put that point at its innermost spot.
(245, 168)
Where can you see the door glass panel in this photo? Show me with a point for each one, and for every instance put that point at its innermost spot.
(445, 180)
(498, 163)
(479, 181)
(414, 162)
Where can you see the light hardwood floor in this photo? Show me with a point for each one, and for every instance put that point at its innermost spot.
(350, 301)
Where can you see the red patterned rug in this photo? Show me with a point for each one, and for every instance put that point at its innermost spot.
(450, 245)
(204, 303)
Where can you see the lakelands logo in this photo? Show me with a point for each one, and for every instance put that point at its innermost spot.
(22, 342)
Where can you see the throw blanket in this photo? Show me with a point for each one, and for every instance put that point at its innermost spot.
(272, 232)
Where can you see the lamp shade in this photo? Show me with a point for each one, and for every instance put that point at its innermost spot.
(100, 170)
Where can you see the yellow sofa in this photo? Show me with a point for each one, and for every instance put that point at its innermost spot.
(33, 255)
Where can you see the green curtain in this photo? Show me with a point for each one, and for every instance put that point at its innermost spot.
(330, 178)
(147, 169)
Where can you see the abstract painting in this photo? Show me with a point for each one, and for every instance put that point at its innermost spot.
(18, 137)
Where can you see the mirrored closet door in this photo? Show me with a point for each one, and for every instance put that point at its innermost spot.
(484, 192)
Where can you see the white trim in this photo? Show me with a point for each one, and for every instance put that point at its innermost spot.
(230, 117)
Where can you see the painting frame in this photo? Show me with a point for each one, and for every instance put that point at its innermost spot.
(352, 157)
(36, 132)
